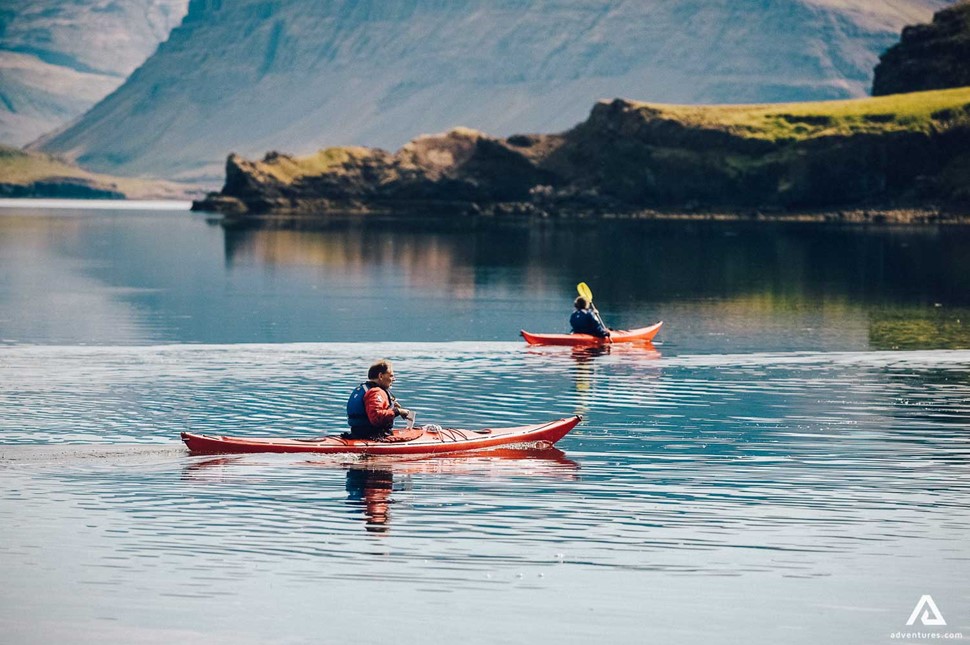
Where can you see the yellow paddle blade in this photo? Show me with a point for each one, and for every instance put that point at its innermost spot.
(585, 292)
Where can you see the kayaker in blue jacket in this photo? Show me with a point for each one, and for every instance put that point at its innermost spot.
(371, 408)
(587, 321)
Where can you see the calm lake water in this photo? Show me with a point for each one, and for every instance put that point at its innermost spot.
(788, 463)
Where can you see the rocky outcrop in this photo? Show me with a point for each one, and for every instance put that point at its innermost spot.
(458, 169)
(645, 159)
(630, 156)
(928, 56)
(251, 75)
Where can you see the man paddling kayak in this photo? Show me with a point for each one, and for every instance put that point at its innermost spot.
(371, 408)
(586, 321)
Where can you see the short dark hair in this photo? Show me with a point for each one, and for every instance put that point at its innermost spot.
(581, 303)
(378, 368)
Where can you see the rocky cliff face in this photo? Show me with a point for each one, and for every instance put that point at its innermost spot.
(60, 57)
(628, 156)
(458, 169)
(929, 56)
(641, 158)
(250, 75)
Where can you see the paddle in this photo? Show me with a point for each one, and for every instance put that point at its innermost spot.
(412, 415)
(410, 418)
(583, 289)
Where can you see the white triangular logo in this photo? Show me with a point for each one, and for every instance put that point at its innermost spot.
(931, 614)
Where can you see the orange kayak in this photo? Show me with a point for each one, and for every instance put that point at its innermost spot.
(618, 336)
(403, 442)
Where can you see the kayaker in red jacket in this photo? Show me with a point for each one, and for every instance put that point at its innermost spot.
(371, 409)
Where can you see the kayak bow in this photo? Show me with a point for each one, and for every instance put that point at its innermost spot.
(620, 336)
(402, 442)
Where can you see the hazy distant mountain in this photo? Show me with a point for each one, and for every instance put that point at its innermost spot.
(249, 75)
(60, 57)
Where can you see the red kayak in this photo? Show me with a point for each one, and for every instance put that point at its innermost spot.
(430, 439)
(618, 336)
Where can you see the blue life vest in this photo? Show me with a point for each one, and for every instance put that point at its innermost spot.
(356, 412)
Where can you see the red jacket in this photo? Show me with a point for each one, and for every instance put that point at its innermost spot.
(380, 410)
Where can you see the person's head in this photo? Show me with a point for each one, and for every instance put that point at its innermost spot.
(580, 303)
(382, 373)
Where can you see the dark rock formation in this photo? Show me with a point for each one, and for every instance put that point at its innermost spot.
(462, 167)
(928, 57)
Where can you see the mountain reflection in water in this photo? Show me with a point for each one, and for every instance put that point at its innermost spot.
(118, 277)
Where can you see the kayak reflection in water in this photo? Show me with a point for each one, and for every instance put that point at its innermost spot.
(371, 488)
(586, 320)
(371, 408)
(584, 373)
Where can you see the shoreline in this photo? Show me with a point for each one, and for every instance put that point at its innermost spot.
(879, 216)
(523, 212)
(105, 204)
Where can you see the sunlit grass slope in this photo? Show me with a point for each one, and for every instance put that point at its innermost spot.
(24, 169)
(915, 112)
(287, 169)
(18, 167)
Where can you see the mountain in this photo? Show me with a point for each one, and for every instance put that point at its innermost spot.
(907, 151)
(250, 76)
(60, 57)
(929, 56)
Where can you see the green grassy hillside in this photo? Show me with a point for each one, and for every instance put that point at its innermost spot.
(923, 112)
(18, 167)
(31, 174)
